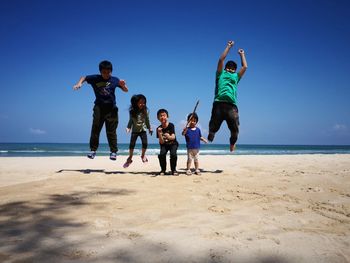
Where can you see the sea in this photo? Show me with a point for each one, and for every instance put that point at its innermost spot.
(81, 149)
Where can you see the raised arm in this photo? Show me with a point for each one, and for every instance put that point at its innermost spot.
(123, 86)
(223, 56)
(79, 83)
(244, 63)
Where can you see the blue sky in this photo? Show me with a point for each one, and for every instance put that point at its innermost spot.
(295, 91)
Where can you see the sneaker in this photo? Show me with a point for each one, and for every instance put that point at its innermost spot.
(144, 159)
(91, 155)
(161, 173)
(113, 156)
(174, 173)
(198, 172)
(127, 163)
(188, 172)
(211, 137)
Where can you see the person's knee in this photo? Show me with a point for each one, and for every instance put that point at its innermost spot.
(189, 159)
(162, 155)
(132, 146)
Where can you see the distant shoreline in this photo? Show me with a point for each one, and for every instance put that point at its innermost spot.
(80, 149)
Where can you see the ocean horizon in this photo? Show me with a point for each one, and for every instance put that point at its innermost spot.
(81, 149)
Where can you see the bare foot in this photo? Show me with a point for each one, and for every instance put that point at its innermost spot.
(232, 147)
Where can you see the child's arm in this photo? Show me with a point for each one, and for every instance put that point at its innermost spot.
(79, 84)
(184, 131)
(128, 128)
(223, 56)
(170, 137)
(160, 135)
(148, 125)
(123, 86)
(204, 140)
(244, 63)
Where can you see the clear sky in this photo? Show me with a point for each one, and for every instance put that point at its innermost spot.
(296, 89)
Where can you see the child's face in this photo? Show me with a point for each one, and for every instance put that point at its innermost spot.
(106, 73)
(193, 123)
(230, 70)
(163, 117)
(141, 104)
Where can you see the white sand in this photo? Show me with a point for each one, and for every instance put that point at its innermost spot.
(291, 208)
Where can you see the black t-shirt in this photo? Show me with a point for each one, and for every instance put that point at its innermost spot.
(171, 130)
(104, 89)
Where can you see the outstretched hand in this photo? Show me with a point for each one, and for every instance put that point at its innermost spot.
(230, 43)
(77, 86)
(241, 51)
(122, 82)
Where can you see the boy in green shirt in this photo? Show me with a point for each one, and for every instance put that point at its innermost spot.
(225, 101)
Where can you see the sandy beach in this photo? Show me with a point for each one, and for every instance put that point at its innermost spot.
(278, 208)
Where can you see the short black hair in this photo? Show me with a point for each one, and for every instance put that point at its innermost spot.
(105, 64)
(231, 65)
(192, 115)
(162, 111)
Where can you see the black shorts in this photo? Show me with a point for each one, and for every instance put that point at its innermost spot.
(143, 136)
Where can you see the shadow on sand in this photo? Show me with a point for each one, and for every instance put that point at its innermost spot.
(152, 174)
(41, 231)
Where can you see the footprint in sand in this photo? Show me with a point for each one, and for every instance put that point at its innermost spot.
(78, 254)
(314, 189)
(123, 234)
(337, 212)
(295, 209)
(220, 210)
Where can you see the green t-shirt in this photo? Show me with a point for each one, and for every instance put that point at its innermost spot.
(139, 123)
(226, 87)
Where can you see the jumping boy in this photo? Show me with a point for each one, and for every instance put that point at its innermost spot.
(105, 109)
(225, 101)
(167, 141)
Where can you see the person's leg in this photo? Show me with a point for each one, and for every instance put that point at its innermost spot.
(196, 162)
(111, 128)
(162, 158)
(144, 141)
(173, 157)
(232, 119)
(131, 153)
(216, 120)
(189, 161)
(133, 139)
(97, 124)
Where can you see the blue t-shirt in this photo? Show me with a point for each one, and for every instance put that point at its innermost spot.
(193, 138)
(104, 89)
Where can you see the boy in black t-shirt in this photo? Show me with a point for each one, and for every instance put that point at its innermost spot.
(167, 141)
(105, 109)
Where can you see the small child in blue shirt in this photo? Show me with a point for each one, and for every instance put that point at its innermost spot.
(193, 137)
